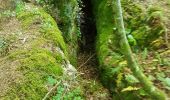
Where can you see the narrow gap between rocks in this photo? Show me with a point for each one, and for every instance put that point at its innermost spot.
(87, 62)
(88, 28)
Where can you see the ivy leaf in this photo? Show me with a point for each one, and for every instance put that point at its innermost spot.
(167, 82)
(131, 39)
(128, 31)
(51, 81)
(160, 76)
(19, 7)
(142, 92)
(131, 79)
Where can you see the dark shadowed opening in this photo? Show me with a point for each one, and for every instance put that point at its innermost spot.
(88, 27)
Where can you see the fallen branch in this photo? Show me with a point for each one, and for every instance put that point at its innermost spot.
(51, 90)
(86, 61)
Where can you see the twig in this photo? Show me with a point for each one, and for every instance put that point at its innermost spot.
(86, 61)
(51, 90)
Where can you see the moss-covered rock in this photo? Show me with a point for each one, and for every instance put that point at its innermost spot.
(66, 13)
(69, 25)
(38, 51)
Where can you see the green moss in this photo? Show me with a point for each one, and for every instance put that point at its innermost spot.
(35, 65)
(67, 16)
(107, 43)
(49, 29)
(69, 25)
(38, 58)
(66, 13)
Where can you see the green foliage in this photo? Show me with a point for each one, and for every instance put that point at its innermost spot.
(2, 43)
(145, 54)
(66, 13)
(3, 46)
(51, 80)
(165, 80)
(131, 79)
(61, 93)
(141, 32)
(131, 40)
(145, 27)
(19, 6)
(159, 58)
(119, 79)
(130, 88)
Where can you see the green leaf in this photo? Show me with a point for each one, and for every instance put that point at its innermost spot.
(131, 79)
(131, 39)
(167, 82)
(128, 31)
(152, 78)
(51, 80)
(160, 76)
(130, 88)
(145, 54)
(142, 92)
(19, 7)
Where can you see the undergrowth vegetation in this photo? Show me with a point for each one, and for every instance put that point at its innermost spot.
(144, 28)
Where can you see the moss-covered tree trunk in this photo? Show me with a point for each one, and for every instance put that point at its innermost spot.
(155, 93)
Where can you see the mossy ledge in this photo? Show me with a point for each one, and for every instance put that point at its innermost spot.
(41, 55)
(66, 13)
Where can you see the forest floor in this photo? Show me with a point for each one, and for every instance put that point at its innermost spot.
(157, 65)
(8, 72)
(165, 5)
(87, 65)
